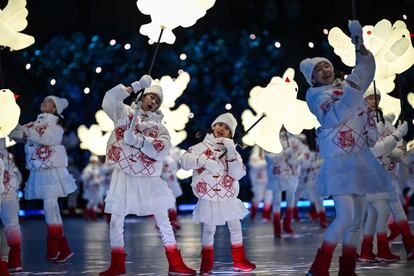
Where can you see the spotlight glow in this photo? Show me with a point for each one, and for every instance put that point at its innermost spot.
(98, 70)
(28, 66)
(52, 82)
(404, 17)
(191, 115)
(325, 31)
(112, 42)
(277, 44)
(86, 90)
(228, 106)
(183, 56)
(252, 36)
(311, 45)
(127, 46)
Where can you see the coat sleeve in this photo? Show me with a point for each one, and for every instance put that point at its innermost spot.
(190, 159)
(236, 168)
(384, 147)
(52, 135)
(113, 104)
(330, 112)
(157, 148)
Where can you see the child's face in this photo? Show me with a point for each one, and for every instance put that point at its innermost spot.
(371, 101)
(48, 106)
(323, 73)
(221, 130)
(150, 102)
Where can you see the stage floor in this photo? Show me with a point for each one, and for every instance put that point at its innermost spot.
(291, 255)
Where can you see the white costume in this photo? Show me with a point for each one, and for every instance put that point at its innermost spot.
(92, 178)
(169, 171)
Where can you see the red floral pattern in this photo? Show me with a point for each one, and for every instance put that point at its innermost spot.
(43, 152)
(201, 187)
(276, 170)
(114, 153)
(200, 170)
(41, 129)
(346, 139)
(326, 105)
(228, 182)
(119, 132)
(158, 145)
(151, 131)
(147, 161)
(6, 178)
(209, 153)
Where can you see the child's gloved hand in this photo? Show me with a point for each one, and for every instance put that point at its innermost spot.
(401, 131)
(229, 145)
(356, 33)
(212, 166)
(133, 140)
(144, 82)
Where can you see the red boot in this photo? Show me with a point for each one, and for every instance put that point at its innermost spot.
(347, 266)
(15, 261)
(267, 209)
(86, 215)
(407, 237)
(321, 264)
(312, 212)
(176, 263)
(117, 264)
(3, 268)
(64, 251)
(277, 227)
(253, 211)
(288, 220)
(207, 260)
(384, 253)
(240, 262)
(296, 214)
(172, 215)
(366, 250)
(395, 231)
(52, 242)
(407, 204)
(323, 222)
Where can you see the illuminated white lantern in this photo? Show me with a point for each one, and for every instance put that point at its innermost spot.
(12, 22)
(169, 14)
(410, 98)
(390, 44)
(9, 112)
(175, 119)
(9, 142)
(93, 139)
(278, 101)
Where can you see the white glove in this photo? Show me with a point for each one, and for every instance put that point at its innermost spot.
(212, 166)
(401, 131)
(356, 33)
(143, 83)
(230, 146)
(133, 140)
(288, 152)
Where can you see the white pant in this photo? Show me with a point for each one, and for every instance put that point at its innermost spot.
(236, 235)
(377, 217)
(10, 217)
(277, 200)
(260, 192)
(347, 226)
(52, 212)
(116, 229)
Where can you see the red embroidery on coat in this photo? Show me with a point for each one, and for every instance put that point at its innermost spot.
(228, 181)
(114, 153)
(41, 129)
(326, 106)
(6, 178)
(158, 145)
(338, 92)
(145, 160)
(276, 170)
(200, 170)
(119, 132)
(151, 131)
(346, 139)
(43, 152)
(201, 187)
(29, 125)
(208, 153)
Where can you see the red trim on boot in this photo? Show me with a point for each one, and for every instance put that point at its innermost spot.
(408, 238)
(207, 260)
(15, 261)
(312, 212)
(240, 262)
(287, 227)
(407, 204)
(323, 221)
(253, 211)
(347, 266)
(267, 210)
(395, 230)
(277, 227)
(366, 250)
(384, 253)
(172, 215)
(3, 269)
(176, 263)
(322, 262)
(117, 263)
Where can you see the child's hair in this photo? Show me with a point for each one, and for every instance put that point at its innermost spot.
(61, 120)
(381, 115)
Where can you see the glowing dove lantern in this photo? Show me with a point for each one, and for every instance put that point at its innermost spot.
(92, 139)
(410, 145)
(104, 121)
(169, 14)
(10, 142)
(390, 44)
(410, 98)
(175, 119)
(12, 22)
(9, 112)
(299, 118)
(278, 101)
